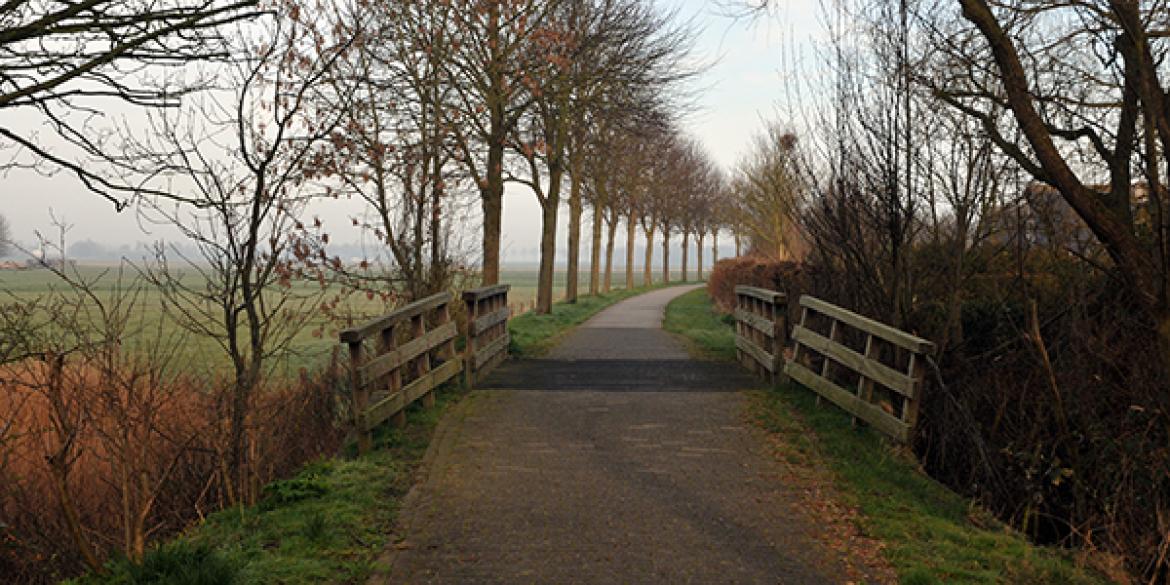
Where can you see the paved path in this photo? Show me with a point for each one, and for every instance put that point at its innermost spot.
(616, 459)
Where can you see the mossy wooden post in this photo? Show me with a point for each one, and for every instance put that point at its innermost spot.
(761, 330)
(917, 371)
(864, 383)
(422, 365)
(827, 364)
(361, 396)
(469, 348)
(487, 330)
(779, 336)
(739, 306)
(448, 350)
(394, 379)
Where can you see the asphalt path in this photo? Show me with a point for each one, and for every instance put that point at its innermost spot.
(615, 458)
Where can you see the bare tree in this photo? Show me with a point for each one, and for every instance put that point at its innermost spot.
(66, 63)
(767, 186)
(396, 153)
(489, 49)
(628, 73)
(1075, 136)
(247, 170)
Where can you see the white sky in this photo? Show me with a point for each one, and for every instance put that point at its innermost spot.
(745, 87)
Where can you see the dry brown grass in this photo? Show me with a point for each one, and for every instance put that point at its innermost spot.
(99, 457)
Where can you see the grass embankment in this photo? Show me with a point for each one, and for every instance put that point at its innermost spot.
(329, 523)
(931, 534)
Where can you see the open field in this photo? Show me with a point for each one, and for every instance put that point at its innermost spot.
(152, 325)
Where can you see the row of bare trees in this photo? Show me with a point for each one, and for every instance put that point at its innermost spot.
(232, 123)
(663, 184)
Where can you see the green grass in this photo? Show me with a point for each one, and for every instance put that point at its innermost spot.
(328, 524)
(932, 535)
(534, 334)
(709, 334)
(151, 327)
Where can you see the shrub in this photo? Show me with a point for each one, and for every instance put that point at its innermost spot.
(146, 439)
(279, 493)
(176, 563)
(791, 278)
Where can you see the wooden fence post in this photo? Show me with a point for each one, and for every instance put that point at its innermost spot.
(386, 371)
(361, 396)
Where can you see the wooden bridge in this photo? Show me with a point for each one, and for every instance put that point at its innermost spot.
(616, 456)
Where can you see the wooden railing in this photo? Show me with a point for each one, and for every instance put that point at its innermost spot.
(407, 363)
(487, 330)
(760, 330)
(881, 384)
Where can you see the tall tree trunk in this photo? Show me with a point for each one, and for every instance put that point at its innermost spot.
(548, 244)
(665, 254)
(685, 252)
(595, 251)
(648, 268)
(492, 203)
(738, 244)
(436, 275)
(610, 237)
(631, 239)
(714, 248)
(576, 208)
(700, 236)
(492, 191)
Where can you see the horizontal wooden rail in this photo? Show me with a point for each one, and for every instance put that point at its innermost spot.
(487, 330)
(406, 365)
(895, 414)
(760, 330)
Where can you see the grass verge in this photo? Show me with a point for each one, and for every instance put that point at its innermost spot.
(534, 334)
(328, 524)
(931, 534)
(709, 334)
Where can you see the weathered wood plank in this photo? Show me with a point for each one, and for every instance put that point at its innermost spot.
(872, 369)
(380, 411)
(486, 291)
(487, 352)
(432, 379)
(395, 402)
(763, 294)
(765, 359)
(483, 370)
(851, 403)
(761, 324)
(385, 363)
(490, 320)
(355, 334)
(890, 334)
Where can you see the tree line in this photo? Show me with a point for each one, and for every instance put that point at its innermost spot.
(230, 122)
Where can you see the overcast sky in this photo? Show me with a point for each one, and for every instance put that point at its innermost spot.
(749, 83)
